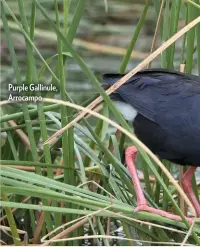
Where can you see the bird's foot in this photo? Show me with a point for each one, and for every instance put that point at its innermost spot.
(187, 186)
(160, 212)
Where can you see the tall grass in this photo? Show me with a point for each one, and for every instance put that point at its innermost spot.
(86, 186)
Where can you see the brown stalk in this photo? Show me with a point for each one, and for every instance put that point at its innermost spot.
(153, 46)
(183, 206)
(21, 134)
(38, 229)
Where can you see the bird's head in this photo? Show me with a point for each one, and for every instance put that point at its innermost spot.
(109, 80)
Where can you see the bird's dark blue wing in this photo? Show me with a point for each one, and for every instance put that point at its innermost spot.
(132, 92)
(168, 98)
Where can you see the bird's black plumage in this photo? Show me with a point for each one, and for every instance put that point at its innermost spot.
(168, 112)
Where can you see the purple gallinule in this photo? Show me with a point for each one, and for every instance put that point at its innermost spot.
(164, 107)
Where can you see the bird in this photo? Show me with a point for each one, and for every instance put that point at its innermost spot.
(164, 108)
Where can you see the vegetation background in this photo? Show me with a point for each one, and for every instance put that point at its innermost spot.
(77, 189)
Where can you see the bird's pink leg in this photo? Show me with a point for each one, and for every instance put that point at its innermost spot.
(130, 156)
(142, 204)
(187, 186)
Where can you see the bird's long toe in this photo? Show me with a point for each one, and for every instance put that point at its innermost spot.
(161, 213)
